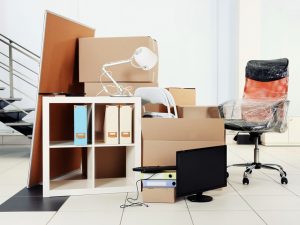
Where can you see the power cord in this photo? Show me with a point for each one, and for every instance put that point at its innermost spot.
(131, 202)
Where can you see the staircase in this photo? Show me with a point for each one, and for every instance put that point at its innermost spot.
(18, 76)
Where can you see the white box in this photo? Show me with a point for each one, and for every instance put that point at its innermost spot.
(125, 124)
(111, 124)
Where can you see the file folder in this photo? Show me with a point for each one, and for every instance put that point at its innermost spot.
(80, 125)
(159, 183)
(159, 176)
(111, 124)
(125, 124)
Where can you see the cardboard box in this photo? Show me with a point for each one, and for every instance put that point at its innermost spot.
(162, 138)
(197, 112)
(183, 96)
(165, 195)
(92, 89)
(95, 52)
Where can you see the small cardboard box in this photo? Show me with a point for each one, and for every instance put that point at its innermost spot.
(92, 89)
(196, 112)
(162, 138)
(183, 96)
(162, 195)
(95, 52)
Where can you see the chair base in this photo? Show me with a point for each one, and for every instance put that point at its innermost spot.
(257, 165)
(252, 166)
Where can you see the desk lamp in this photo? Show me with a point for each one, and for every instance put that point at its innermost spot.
(143, 58)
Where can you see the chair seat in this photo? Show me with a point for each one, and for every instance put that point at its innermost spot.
(242, 125)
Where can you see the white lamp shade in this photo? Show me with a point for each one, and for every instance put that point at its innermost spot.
(145, 58)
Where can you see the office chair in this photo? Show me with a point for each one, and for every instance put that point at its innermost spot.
(157, 95)
(263, 108)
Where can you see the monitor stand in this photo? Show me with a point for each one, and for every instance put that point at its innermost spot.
(200, 198)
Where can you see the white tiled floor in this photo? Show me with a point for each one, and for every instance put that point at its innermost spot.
(263, 201)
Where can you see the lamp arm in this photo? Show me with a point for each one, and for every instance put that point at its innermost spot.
(108, 74)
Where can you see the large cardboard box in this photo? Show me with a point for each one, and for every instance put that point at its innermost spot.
(162, 138)
(95, 52)
(163, 195)
(183, 96)
(196, 112)
(92, 89)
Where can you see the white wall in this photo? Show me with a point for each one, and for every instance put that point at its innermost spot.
(197, 38)
(269, 29)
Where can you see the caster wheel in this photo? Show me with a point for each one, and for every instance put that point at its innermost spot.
(284, 180)
(245, 180)
(227, 174)
(284, 174)
(250, 172)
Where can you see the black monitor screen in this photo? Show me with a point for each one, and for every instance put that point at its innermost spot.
(200, 170)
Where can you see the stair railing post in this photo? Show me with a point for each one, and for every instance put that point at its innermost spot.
(11, 73)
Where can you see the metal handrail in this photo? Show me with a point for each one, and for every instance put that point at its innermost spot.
(18, 75)
(20, 46)
(21, 51)
(18, 90)
(20, 64)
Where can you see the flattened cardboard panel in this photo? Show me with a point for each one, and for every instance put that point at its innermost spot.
(59, 73)
(110, 162)
(163, 153)
(95, 52)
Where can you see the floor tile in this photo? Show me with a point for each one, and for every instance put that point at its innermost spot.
(274, 202)
(260, 184)
(226, 218)
(86, 218)
(280, 217)
(10, 189)
(23, 204)
(94, 202)
(160, 217)
(25, 218)
(293, 182)
(226, 202)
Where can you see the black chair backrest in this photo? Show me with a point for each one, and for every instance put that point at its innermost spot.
(267, 70)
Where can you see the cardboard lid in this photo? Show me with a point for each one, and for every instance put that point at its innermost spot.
(183, 129)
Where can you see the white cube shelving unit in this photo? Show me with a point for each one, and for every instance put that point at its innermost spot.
(65, 185)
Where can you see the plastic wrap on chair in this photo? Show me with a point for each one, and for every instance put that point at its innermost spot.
(253, 115)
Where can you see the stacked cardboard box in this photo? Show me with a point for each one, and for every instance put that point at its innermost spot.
(197, 126)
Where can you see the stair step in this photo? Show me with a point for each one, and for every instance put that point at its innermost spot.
(22, 126)
(19, 123)
(11, 100)
(13, 115)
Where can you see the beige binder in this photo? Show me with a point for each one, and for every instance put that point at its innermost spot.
(125, 124)
(111, 124)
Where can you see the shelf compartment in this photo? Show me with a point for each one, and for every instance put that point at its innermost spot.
(115, 183)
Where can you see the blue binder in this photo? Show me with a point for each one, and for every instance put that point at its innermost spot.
(80, 124)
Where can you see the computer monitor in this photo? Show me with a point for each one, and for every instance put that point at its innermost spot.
(200, 170)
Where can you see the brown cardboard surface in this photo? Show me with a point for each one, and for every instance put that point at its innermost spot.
(194, 112)
(163, 195)
(92, 89)
(59, 73)
(183, 96)
(95, 52)
(163, 137)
